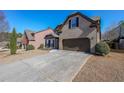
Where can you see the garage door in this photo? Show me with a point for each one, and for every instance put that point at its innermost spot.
(79, 44)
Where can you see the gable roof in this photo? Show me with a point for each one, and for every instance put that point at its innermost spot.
(93, 25)
(93, 20)
(29, 34)
(44, 30)
(82, 15)
(53, 35)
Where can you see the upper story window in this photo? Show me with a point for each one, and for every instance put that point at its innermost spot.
(74, 22)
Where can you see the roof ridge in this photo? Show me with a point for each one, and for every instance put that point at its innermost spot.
(43, 30)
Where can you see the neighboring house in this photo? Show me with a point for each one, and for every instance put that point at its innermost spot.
(19, 42)
(79, 33)
(112, 34)
(36, 38)
(116, 35)
(3, 44)
(27, 38)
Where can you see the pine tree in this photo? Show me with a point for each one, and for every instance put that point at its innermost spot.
(13, 42)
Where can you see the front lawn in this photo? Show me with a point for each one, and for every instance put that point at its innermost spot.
(5, 56)
(105, 69)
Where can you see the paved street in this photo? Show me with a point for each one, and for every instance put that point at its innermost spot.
(59, 66)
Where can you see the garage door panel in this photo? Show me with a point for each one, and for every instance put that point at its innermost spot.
(79, 44)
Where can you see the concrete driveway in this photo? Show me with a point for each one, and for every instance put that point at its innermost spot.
(59, 66)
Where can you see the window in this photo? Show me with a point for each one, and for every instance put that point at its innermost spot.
(74, 22)
(48, 43)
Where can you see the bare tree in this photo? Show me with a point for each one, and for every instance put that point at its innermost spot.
(4, 26)
(112, 32)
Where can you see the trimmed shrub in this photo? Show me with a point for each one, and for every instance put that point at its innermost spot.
(30, 47)
(41, 46)
(13, 39)
(102, 48)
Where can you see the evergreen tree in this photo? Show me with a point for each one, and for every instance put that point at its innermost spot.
(13, 42)
(19, 35)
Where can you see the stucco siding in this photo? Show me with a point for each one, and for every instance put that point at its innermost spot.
(60, 44)
(71, 33)
(85, 25)
(93, 40)
(78, 31)
(98, 37)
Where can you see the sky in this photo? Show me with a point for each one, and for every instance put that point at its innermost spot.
(37, 20)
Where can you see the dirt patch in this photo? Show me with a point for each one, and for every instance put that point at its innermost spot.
(103, 69)
(117, 50)
(5, 56)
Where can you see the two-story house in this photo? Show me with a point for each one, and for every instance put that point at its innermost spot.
(80, 33)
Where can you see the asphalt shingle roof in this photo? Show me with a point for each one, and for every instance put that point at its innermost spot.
(29, 34)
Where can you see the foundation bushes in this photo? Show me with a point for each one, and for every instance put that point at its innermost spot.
(102, 48)
(30, 47)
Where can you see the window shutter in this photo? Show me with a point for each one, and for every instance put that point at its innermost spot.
(69, 24)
